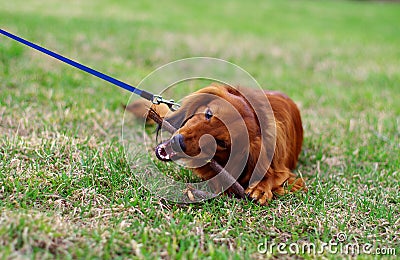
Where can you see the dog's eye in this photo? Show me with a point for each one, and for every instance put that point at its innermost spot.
(221, 143)
(208, 114)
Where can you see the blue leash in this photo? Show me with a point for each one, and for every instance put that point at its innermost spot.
(155, 99)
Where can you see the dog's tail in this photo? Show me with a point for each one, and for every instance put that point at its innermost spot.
(140, 109)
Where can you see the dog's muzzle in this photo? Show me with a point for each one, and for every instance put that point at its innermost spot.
(171, 148)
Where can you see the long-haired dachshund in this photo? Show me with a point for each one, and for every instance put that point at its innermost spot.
(256, 135)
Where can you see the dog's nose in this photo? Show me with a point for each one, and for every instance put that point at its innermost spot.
(177, 143)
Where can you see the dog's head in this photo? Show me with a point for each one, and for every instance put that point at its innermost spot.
(215, 122)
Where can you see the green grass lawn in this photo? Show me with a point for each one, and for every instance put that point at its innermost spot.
(67, 191)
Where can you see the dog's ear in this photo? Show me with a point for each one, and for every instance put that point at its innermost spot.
(264, 132)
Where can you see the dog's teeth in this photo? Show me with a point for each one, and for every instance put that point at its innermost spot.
(162, 154)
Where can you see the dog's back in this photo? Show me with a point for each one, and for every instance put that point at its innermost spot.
(287, 116)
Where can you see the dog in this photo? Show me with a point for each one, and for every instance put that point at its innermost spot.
(256, 135)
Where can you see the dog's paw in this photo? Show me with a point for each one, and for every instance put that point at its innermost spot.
(297, 184)
(260, 193)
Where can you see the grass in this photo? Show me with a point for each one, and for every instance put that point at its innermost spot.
(67, 191)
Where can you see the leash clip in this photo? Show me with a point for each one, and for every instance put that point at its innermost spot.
(157, 99)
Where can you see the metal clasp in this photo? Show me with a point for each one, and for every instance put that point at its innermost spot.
(157, 99)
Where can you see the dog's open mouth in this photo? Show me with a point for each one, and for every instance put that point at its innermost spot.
(164, 151)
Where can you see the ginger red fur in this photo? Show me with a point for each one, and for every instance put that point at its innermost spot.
(236, 113)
